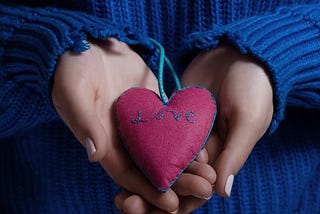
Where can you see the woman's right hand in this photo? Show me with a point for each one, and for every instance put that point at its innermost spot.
(85, 88)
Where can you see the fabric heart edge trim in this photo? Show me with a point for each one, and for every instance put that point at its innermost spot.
(195, 156)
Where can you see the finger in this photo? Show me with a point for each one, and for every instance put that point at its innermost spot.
(120, 197)
(194, 185)
(75, 104)
(132, 180)
(202, 170)
(137, 205)
(238, 145)
(203, 156)
(189, 204)
(213, 147)
(134, 204)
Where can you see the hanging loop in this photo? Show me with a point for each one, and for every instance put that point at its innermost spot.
(162, 61)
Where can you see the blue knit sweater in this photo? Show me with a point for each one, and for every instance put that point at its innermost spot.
(44, 170)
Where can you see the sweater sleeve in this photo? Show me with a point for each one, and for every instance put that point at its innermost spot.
(31, 41)
(287, 42)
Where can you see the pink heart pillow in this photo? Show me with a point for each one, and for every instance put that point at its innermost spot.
(164, 139)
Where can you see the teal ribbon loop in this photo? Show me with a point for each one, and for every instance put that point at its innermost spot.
(162, 61)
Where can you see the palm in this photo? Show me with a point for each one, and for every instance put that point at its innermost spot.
(245, 106)
(245, 99)
(95, 79)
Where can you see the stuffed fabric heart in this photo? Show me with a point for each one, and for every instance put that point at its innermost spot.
(163, 139)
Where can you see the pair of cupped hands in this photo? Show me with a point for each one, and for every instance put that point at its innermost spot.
(86, 86)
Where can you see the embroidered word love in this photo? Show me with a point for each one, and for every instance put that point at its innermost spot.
(163, 139)
(160, 114)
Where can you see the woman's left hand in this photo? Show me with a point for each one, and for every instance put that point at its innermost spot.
(244, 97)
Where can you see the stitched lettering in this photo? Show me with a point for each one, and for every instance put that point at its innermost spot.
(176, 116)
(138, 119)
(189, 115)
(160, 114)
(157, 116)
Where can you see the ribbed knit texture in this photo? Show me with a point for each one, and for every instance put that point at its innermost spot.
(286, 42)
(44, 170)
(31, 42)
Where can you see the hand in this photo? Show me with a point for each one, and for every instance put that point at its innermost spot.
(85, 88)
(245, 107)
(194, 188)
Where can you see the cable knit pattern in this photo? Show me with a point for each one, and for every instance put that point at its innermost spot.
(44, 170)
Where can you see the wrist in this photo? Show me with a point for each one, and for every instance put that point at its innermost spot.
(213, 66)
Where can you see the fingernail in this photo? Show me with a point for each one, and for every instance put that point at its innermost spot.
(228, 186)
(203, 197)
(91, 149)
(174, 212)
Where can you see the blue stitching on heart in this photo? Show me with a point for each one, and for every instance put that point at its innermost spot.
(138, 119)
(190, 114)
(195, 156)
(202, 147)
(157, 113)
(176, 117)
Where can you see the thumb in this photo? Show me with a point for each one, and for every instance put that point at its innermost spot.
(239, 143)
(76, 106)
(91, 134)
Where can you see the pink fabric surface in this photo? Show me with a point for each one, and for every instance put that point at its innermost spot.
(164, 139)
